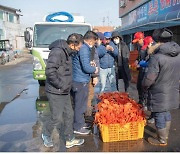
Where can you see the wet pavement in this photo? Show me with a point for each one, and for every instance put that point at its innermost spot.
(24, 108)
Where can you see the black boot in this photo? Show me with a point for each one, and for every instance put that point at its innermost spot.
(161, 139)
(168, 125)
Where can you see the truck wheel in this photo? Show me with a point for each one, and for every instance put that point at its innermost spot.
(3, 61)
(41, 82)
(8, 60)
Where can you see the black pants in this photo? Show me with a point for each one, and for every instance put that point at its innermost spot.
(80, 98)
(121, 76)
(61, 117)
(139, 85)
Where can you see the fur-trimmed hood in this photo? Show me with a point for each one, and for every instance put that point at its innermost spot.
(153, 48)
(170, 48)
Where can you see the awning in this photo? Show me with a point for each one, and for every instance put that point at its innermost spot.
(154, 22)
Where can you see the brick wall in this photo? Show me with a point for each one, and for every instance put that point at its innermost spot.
(104, 28)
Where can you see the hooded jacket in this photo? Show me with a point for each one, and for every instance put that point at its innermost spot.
(59, 68)
(82, 69)
(123, 61)
(162, 78)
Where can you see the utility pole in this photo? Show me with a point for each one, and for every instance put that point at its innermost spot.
(108, 20)
(103, 20)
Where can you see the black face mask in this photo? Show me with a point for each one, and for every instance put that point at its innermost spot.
(73, 52)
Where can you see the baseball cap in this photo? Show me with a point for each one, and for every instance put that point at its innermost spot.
(162, 34)
(107, 35)
(100, 35)
(147, 40)
(138, 36)
(166, 33)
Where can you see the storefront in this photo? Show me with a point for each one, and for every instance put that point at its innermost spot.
(152, 15)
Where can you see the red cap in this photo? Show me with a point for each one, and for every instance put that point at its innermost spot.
(147, 41)
(138, 36)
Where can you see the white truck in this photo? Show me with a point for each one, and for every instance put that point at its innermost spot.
(44, 33)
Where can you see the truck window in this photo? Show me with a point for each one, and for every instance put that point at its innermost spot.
(44, 35)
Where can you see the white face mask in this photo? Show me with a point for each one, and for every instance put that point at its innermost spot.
(90, 46)
(116, 41)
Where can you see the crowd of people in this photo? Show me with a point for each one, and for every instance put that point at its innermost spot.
(103, 59)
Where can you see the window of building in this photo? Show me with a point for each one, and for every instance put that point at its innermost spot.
(1, 34)
(11, 17)
(1, 15)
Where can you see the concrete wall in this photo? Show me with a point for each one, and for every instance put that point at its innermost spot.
(14, 33)
(129, 6)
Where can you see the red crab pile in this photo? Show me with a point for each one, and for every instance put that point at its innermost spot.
(118, 108)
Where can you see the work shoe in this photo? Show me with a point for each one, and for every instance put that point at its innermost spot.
(74, 142)
(47, 141)
(82, 131)
(87, 126)
(150, 120)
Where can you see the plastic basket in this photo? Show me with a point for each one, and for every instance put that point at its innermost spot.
(116, 132)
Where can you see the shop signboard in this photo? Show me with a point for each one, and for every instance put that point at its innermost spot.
(150, 10)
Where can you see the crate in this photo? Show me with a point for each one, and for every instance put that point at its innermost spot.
(116, 132)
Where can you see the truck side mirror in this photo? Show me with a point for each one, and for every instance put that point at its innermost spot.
(27, 36)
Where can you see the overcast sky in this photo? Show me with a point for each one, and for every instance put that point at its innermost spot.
(94, 11)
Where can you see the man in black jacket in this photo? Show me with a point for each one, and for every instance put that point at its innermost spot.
(122, 62)
(58, 86)
(161, 81)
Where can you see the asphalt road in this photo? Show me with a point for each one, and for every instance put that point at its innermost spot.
(22, 113)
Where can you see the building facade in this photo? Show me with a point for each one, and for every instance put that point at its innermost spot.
(10, 27)
(147, 15)
(104, 28)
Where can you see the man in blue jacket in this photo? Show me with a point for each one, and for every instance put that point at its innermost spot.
(107, 52)
(82, 70)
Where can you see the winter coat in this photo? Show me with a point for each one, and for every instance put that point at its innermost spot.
(59, 68)
(122, 62)
(95, 58)
(141, 53)
(162, 78)
(106, 58)
(82, 69)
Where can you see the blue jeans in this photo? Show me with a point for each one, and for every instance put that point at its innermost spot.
(161, 118)
(108, 73)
